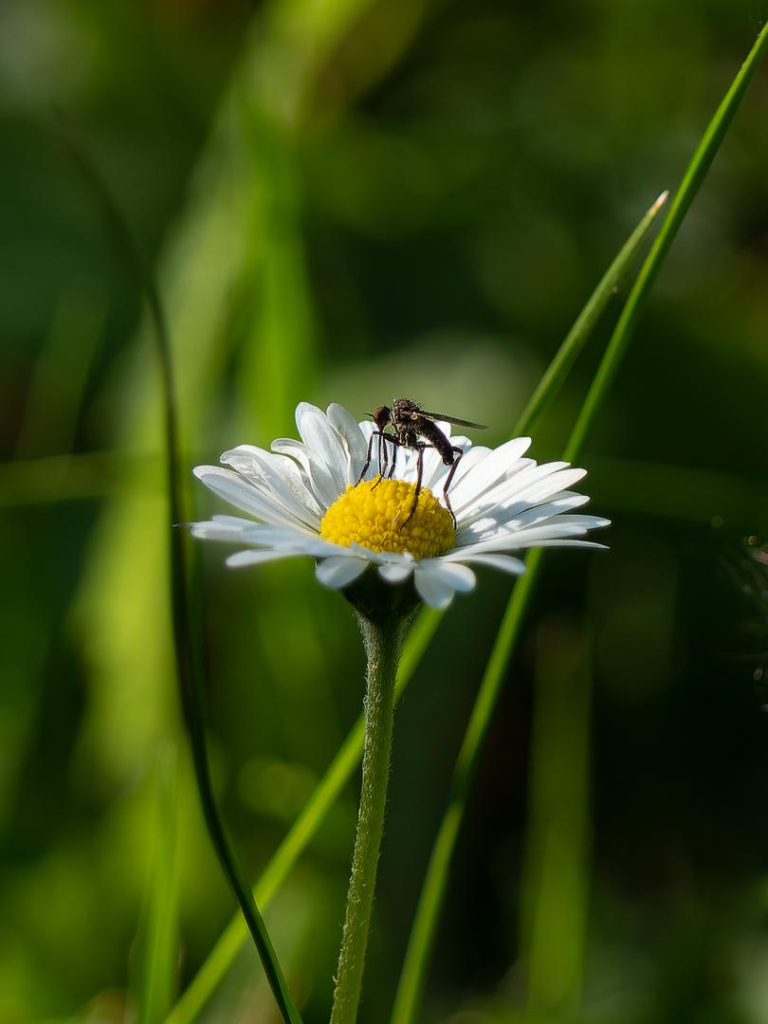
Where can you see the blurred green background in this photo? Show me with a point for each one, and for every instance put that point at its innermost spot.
(348, 201)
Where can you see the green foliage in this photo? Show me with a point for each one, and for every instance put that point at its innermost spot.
(346, 201)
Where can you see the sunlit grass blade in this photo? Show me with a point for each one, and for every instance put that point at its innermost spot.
(554, 883)
(554, 376)
(161, 940)
(278, 358)
(410, 988)
(412, 982)
(221, 957)
(692, 179)
(61, 371)
(57, 478)
(187, 660)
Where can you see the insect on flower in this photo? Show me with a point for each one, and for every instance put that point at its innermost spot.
(409, 422)
(309, 497)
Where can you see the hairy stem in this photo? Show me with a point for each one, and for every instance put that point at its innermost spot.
(383, 640)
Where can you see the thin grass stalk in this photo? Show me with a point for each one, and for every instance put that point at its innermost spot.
(413, 978)
(555, 880)
(556, 373)
(425, 624)
(421, 940)
(161, 940)
(185, 649)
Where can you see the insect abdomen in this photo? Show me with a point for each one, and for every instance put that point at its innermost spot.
(438, 440)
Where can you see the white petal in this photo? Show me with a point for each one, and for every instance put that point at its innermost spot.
(517, 542)
(290, 540)
(515, 517)
(243, 495)
(510, 489)
(565, 542)
(496, 466)
(460, 441)
(504, 540)
(549, 514)
(276, 475)
(323, 482)
(436, 472)
(437, 580)
(537, 513)
(552, 528)
(572, 497)
(396, 572)
(225, 520)
(243, 558)
(345, 424)
(214, 530)
(545, 488)
(503, 562)
(340, 570)
(232, 530)
(460, 577)
(320, 437)
(433, 470)
(432, 590)
(588, 522)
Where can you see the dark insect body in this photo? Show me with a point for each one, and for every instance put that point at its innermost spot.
(409, 423)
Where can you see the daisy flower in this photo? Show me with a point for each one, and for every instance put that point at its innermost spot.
(307, 498)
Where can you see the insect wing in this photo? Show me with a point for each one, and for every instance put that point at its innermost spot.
(453, 420)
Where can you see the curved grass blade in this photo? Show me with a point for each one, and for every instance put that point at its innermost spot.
(187, 663)
(556, 373)
(413, 977)
(340, 771)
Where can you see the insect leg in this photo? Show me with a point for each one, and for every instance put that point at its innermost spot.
(383, 467)
(383, 455)
(458, 453)
(368, 457)
(394, 460)
(419, 477)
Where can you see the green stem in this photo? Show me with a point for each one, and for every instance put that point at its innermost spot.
(383, 641)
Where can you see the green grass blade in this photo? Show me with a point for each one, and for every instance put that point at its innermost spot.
(554, 376)
(187, 662)
(60, 374)
(205, 982)
(689, 186)
(555, 880)
(412, 982)
(413, 976)
(340, 771)
(161, 942)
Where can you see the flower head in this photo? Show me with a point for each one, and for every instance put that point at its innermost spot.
(307, 498)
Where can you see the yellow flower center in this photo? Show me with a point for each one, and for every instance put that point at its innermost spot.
(374, 514)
